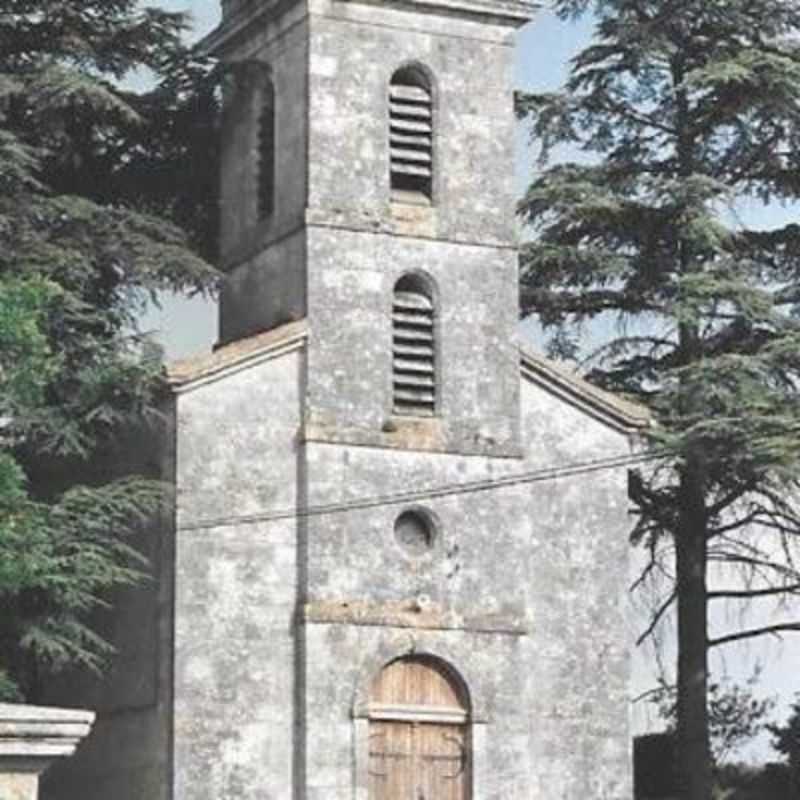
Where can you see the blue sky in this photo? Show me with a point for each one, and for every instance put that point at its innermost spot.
(544, 48)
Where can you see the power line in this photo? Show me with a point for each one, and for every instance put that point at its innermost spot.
(447, 490)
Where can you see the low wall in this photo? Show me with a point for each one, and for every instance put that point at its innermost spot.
(32, 738)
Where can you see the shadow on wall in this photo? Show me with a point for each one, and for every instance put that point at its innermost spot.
(653, 773)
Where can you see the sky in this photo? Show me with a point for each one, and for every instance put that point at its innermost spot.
(544, 47)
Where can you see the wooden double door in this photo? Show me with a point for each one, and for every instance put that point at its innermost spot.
(418, 761)
(419, 743)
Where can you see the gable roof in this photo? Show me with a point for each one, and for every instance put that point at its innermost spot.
(569, 386)
(551, 376)
(236, 355)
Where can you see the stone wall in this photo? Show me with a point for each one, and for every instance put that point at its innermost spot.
(282, 624)
(236, 584)
(350, 311)
(527, 580)
(275, 50)
(355, 49)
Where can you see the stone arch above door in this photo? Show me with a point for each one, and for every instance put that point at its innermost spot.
(418, 685)
(408, 647)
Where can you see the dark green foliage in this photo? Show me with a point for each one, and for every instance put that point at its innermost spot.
(786, 740)
(95, 181)
(681, 111)
(736, 715)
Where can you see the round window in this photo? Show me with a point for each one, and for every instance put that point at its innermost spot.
(415, 532)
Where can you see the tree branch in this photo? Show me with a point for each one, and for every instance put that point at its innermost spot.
(730, 498)
(719, 530)
(770, 630)
(657, 617)
(746, 594)
(748, 561)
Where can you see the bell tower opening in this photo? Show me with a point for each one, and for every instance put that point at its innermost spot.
(414, 347)
(266, 150)
(411, 136)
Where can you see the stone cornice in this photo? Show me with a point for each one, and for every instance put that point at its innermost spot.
(240, 354)
(237, 16)
(240, 14)
(513, 12)
(619, 413)
(38, 735)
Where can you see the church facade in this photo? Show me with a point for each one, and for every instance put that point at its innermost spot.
(396, 564)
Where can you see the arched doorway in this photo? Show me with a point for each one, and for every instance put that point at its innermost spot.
(419, 743)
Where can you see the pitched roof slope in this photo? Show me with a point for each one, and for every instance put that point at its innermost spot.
(551, 376)
(568, 385)
(236, 354)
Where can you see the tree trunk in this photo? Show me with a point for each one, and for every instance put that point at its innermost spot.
(694, 752)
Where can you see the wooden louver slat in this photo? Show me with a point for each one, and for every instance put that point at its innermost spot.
(415, 350)
(412, 365)
(414, 355)
(399, 91)
(412, 125)
(403, 139)
(411, 154)
(413, 110)
(411, 300)
(410, 169)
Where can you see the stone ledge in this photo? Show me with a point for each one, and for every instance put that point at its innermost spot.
(398, 433)
(32, 732)
(239, 14)
(409, 614)
(515, 12)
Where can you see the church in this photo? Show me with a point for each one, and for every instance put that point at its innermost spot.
(394, 565)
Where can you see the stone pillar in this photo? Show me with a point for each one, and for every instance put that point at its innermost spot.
(31, 739)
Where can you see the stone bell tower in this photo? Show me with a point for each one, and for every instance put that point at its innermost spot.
(367, 142)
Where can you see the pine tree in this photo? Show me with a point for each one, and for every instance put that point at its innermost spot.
(89, 203)
(682, 110)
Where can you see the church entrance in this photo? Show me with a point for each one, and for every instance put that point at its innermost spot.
(419, 733)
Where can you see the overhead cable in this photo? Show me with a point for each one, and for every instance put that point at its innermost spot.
(430, 493)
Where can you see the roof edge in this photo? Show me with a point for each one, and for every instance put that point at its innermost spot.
(514, 13)
(185, 374)
(33, 736)
(509, 12)
(235, 20)
(620, 413)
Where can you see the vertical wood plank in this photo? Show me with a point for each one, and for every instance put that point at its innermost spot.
(418, 760)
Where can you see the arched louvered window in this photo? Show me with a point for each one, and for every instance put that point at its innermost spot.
(411, 136)
(414, 348)
(266, 151)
